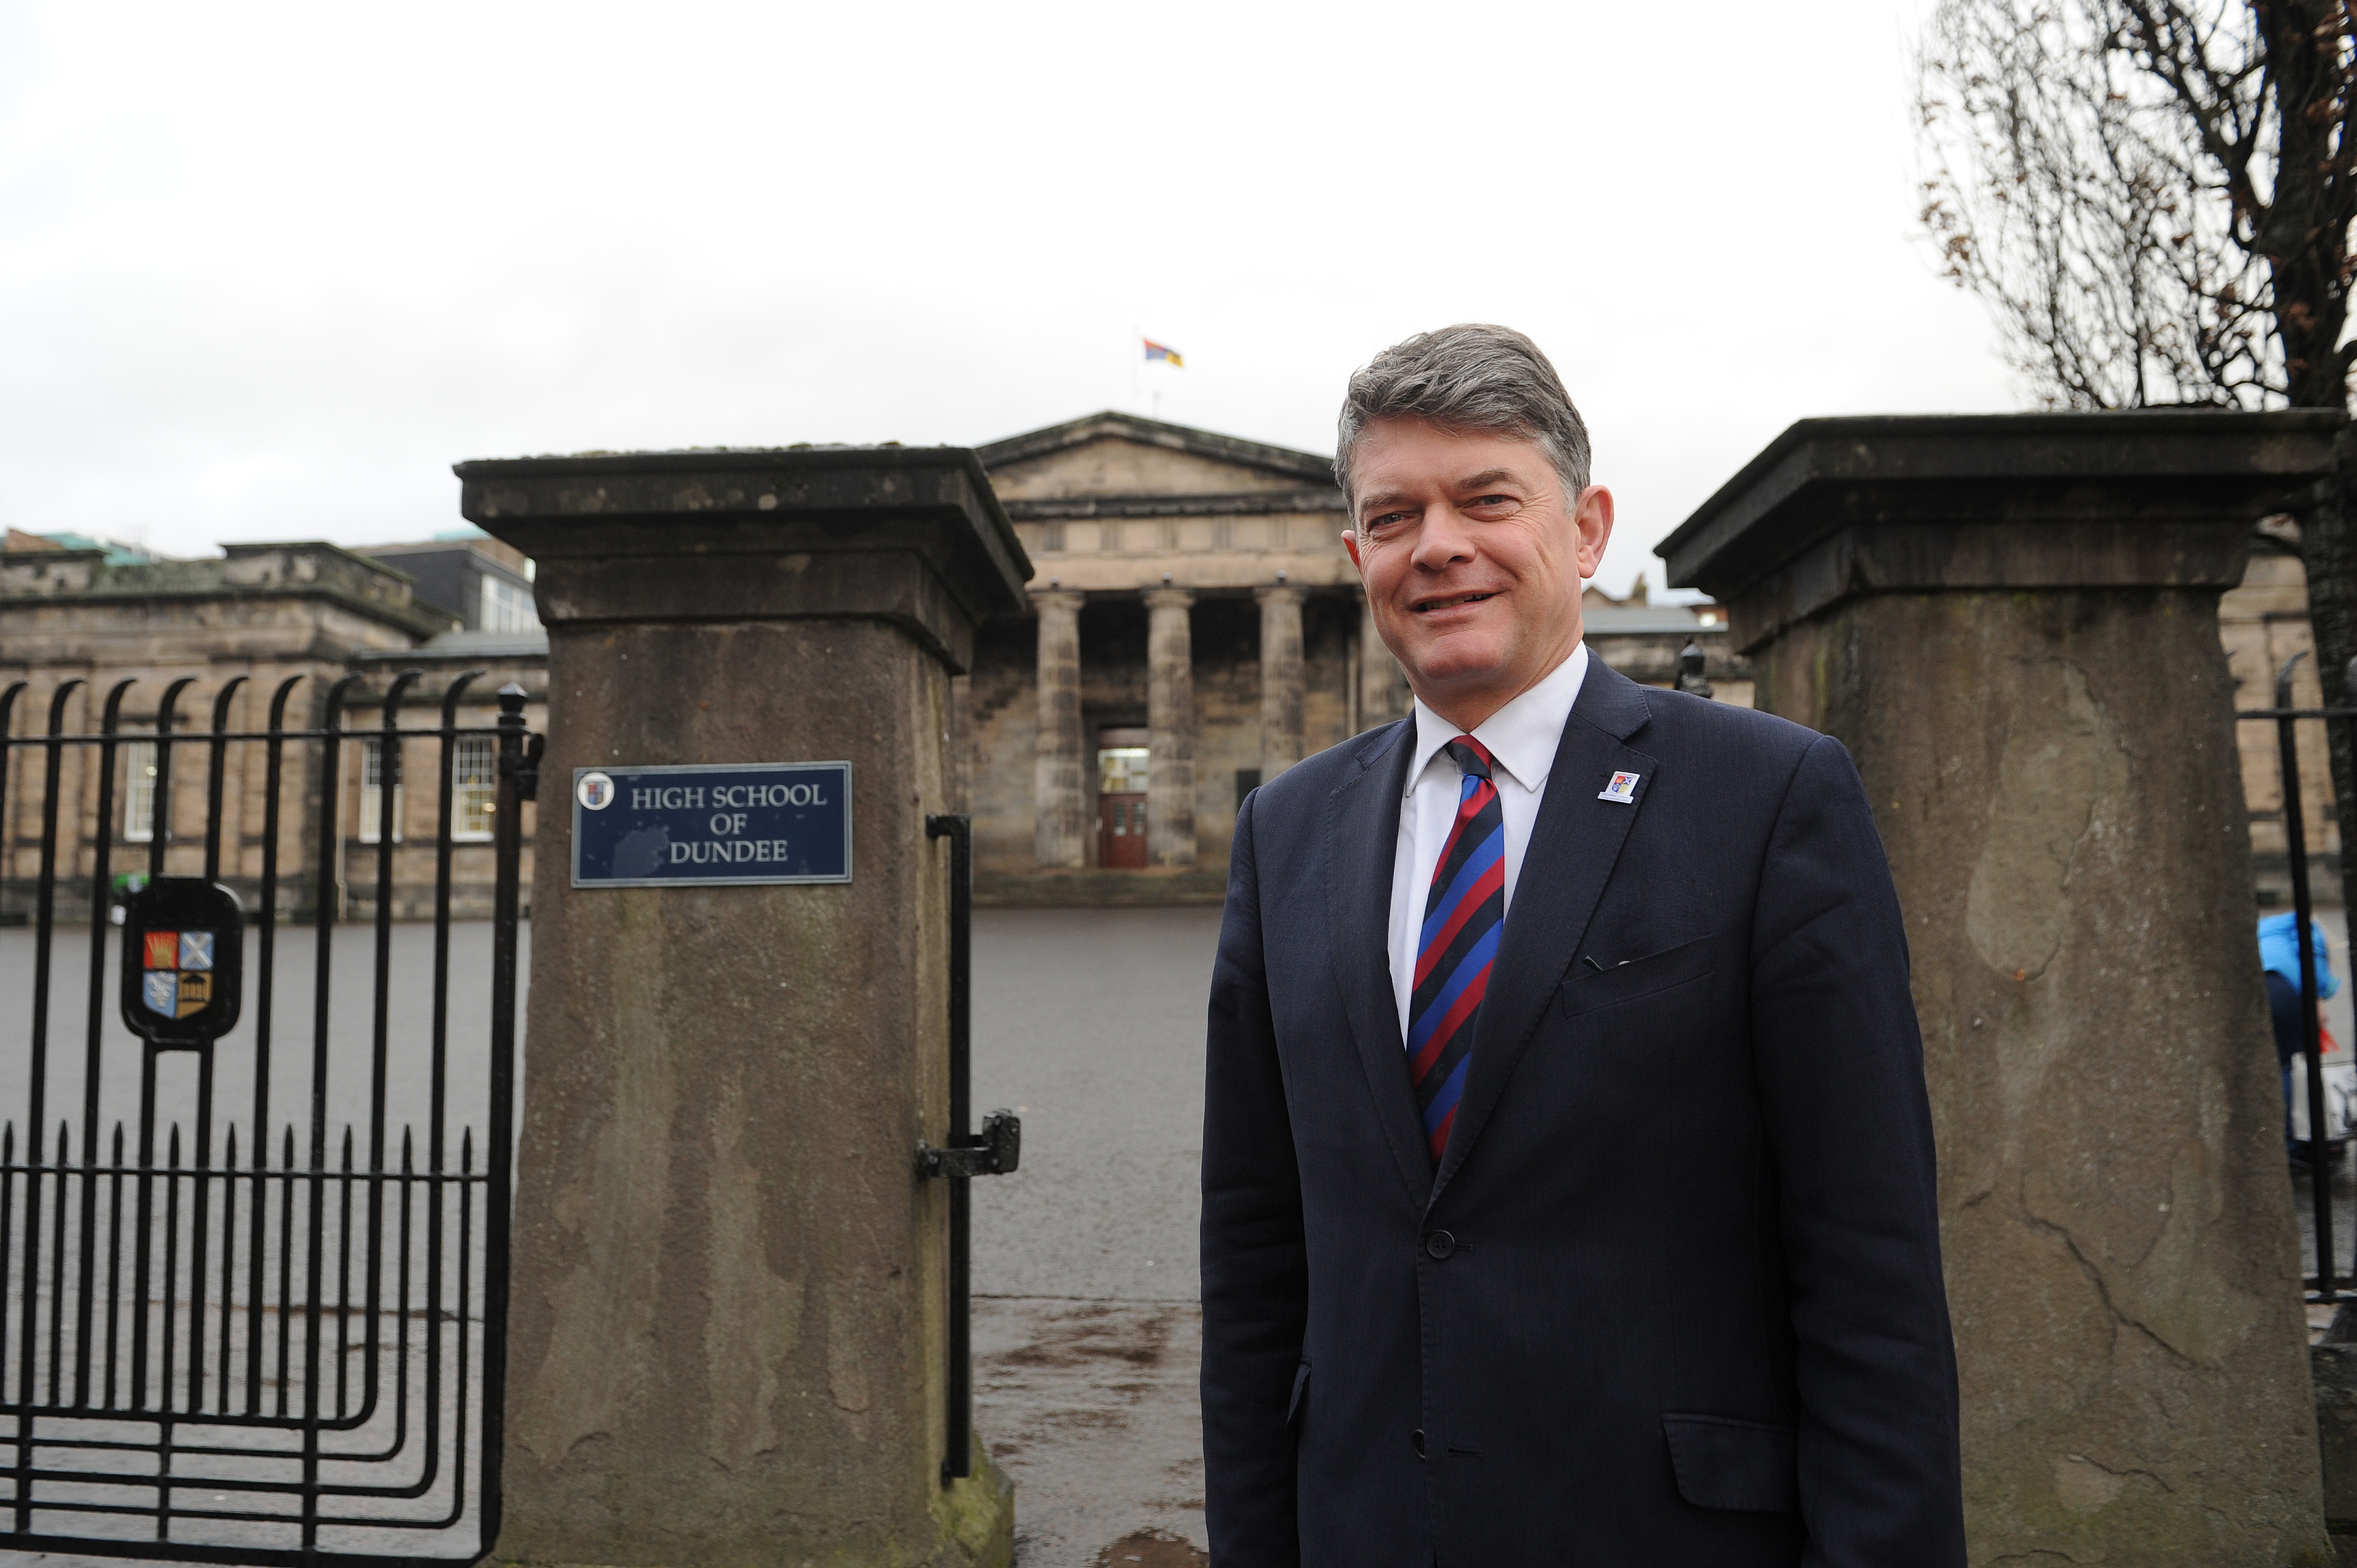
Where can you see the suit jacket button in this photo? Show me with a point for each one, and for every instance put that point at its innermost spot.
(1415, 1440)
(1441, 1243)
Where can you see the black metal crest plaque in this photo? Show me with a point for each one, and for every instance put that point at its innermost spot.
(183, 940)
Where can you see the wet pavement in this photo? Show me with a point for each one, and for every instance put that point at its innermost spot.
(1087, 1333)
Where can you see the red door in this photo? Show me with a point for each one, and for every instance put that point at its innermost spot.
(1120, 832)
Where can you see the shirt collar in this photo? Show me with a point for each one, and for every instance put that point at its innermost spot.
(1523, 737)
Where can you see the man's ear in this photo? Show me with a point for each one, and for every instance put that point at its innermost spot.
(1351, 544)
(1592, 516)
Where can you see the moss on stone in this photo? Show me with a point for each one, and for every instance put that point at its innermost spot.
(976, 1517)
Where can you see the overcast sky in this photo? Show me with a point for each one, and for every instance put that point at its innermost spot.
(267, 271)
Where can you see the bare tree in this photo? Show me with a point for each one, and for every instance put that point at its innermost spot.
(2155, 198)
(2060, 190)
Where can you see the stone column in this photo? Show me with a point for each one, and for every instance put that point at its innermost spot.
(2012, 623)
(1280, 678)
(1060, 785)
(727, 1338)
(1379, 673)
(1170, 726)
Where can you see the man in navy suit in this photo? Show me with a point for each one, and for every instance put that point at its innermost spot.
(1567, 1167)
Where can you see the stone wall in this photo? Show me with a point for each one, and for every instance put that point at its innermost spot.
(2122, 1269)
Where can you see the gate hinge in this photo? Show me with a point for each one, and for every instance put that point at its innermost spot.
(525, 769)
(994, 1151)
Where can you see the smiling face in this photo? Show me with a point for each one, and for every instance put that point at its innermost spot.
(1472, 557)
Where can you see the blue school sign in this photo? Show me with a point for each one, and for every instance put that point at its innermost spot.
(745, 822)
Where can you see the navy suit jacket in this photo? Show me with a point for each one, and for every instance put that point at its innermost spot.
(1673, 1294)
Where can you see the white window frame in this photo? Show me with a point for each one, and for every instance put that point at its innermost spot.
(504, 607)
(139, 762)
(370, 794)
(474, 788)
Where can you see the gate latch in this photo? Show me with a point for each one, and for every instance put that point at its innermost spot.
(994, 1151)
(525, 769)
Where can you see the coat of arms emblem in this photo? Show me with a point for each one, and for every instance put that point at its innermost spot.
(181, 942)
(176, 976)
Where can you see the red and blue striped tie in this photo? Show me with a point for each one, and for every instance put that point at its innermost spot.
(1463, 915)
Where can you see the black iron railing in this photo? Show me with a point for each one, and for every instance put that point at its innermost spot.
(2324, 1285)
(258, 1344)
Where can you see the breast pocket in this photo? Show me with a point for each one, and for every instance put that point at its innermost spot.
(1597, 983)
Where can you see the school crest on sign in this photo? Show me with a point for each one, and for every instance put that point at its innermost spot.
(182, 941)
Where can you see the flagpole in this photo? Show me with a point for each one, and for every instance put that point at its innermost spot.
(1136, 354)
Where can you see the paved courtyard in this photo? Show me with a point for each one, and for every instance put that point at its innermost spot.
(1089, 1022)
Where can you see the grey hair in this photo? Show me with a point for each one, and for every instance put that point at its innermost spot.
(1466, 376)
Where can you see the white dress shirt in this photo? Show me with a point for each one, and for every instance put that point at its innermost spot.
(1522, 738)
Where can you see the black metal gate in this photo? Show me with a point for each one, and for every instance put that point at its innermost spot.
(2323, 1286)
(256, 1284)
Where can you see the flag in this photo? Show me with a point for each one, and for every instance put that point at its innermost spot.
(1164, 351)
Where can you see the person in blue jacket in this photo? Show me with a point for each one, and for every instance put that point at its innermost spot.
(2279, 956)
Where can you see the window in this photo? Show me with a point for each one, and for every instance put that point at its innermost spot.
(506, 606)
(139, 792)
(1121, 770)
(372, 807)
(474, 786)
(1051, 536)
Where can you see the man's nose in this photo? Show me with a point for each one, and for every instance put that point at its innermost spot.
(1443, 539)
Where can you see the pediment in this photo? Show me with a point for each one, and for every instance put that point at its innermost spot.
(1122, 454)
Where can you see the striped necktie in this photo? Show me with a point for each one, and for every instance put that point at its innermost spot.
(1463, 914)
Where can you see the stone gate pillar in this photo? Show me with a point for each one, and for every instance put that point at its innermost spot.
(729, 1292)
(2012, 623)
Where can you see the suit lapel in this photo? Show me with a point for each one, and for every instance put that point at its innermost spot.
(1361, 846)
(1574, 845)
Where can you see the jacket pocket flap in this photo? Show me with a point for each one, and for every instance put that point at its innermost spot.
(1300, 1383)
(1727, 1464)
(1591, 988)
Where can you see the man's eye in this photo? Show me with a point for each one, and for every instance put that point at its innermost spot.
(1388, 519)
(1493, 500)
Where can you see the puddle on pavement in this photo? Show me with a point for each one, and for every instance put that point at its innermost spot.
(1151, 1549)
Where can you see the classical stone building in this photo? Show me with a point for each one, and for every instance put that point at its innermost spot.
(1196, 628)
(266, 613)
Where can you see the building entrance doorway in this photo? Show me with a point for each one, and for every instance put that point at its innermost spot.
(1120, 799)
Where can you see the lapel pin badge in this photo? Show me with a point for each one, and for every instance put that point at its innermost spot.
(1622, 790)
